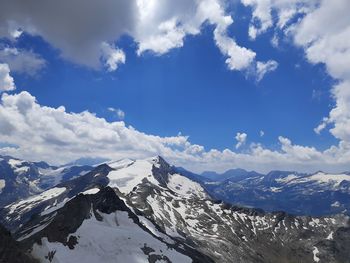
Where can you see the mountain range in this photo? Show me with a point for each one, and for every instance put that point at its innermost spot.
(150, 211)
(314, 194)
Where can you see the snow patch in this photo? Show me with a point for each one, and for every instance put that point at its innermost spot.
(185, 187)
(315, 253)
(91, 191)
(335, 204)
(335, 179)
(54, 207)
(15, 165)
(2, 184)
(36, 229)
(330, 236)
(286, 179)
(275, 189)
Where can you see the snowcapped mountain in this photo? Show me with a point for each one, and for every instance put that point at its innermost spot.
(99, 227)
(148, 211)
(302, 194)
(20, 179)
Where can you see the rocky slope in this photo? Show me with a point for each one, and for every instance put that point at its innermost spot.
(10, 250)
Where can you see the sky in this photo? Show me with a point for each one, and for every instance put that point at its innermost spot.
(207, 84)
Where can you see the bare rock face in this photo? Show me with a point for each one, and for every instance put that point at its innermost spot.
(10, 250)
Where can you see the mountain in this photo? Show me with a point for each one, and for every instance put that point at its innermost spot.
(233, 174)
(297, 193)
(20, 179)
(100, 228)
(147, 211)
(87, 161)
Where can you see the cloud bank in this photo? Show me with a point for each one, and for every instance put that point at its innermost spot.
(56, 134)
(6, 81)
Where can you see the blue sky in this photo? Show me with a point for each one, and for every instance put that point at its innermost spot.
(189, 89)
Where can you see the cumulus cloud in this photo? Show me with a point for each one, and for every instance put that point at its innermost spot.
(264, 67)
(75, 134)
(58, 136)
(22, 61)
(120, 114)
(76, 28)
(6, 81)
(156, 26)
(241, 139)
(112, 56)
(262, 15)
(323, 31)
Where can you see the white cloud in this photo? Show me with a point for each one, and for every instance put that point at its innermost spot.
(241, 139)
(53, 130)
(168, 36)
(6, 81)
(112, 56)
(325, 35)
(264, 67)
(77, 29)
(158, 26)
(285, 10)
(155, 25)
(275, 41)
(58, 137)
(164, 25)
(120, 114)
(22, 61)
(323, 31)
(261, 10)
(261, 133)
(322, 125)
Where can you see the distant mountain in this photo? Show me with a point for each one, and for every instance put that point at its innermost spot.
(296, 193)
(20, 179)
(233, 174)
(87, 161)
(148, 211)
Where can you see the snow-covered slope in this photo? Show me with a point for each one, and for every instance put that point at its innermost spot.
(100, 228)
(128, 174)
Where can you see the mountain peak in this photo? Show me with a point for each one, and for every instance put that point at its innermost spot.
(158, 161)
